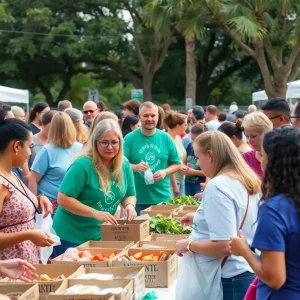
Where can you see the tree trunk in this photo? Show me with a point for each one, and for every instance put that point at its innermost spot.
(147, 85)
(190, 68)
(203, 92)
(65, 87)
(279, 85)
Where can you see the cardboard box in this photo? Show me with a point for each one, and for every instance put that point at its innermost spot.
(105, 244)
(135, 230)
(154, 245)
(165, 210)
(46, 287)
(186, 209)
(91, 264)
(124, 283)
(121, 272)
(159, 274)
(29, 291)
(166, 237)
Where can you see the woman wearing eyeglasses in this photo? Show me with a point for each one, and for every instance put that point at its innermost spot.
(96, 183)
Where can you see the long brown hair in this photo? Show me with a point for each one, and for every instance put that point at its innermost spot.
(227, 160)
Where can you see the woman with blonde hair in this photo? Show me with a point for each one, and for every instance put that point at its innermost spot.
(102, 116)
(230, 201)
(53, 160)
(255, 125)
(77, 119)
(96, 183)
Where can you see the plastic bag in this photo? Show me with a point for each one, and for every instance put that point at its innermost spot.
(71, 254)
(80, 289)
(45, 224)
(205, 281)
(148, 175)
(114, 291)
(95, 276)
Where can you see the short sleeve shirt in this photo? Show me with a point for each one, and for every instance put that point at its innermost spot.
(213, 125)
(82, 183)
(192, 162)
(253, 163)
(159, 152)
(53, 162)
(36, 147)
(278, 229)
(220, 215)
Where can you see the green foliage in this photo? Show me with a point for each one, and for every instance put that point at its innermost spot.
(161, 224)
(183, 200)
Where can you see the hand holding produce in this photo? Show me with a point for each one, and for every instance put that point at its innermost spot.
(161, 224)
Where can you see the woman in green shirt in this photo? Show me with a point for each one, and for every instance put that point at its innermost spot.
(95, 184)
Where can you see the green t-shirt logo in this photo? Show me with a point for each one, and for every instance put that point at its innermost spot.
(150, 158)
(110, 198)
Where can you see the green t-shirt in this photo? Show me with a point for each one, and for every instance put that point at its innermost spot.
(159, 152)
(82, 183)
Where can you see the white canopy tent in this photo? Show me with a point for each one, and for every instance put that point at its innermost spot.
(10, 95)
(293, 90)
(259, 96)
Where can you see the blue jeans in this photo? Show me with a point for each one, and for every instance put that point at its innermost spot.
(140, 207)
(192, 188)
(236, 287)
(61, 249)
(181, 189)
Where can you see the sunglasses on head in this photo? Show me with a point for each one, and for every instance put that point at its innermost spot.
(89, 111)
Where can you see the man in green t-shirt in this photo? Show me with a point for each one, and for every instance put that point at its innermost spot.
(151, 151)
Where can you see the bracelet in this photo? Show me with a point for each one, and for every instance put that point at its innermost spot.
(189, 245)
(129, 204)
(167, 172)
(94, 214)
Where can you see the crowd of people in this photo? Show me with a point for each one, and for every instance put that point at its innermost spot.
(89, 166)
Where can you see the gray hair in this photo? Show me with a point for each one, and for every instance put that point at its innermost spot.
(75, 114)
(17, 110)
(63, 105)
(148, 104)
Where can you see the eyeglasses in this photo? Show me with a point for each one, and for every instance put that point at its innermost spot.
(294, 117)
(89, 111)
(272, 118)
(105, 144)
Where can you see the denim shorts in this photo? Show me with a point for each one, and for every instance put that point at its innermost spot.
(236, 287)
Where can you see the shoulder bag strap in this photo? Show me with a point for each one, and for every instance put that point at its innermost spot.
(241, 227)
